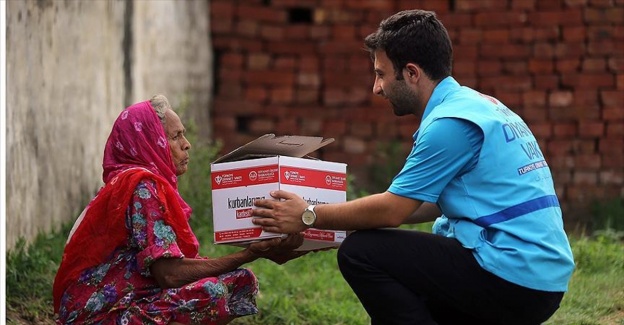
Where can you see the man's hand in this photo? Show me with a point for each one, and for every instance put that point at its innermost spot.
(282, 215)
(279, 250)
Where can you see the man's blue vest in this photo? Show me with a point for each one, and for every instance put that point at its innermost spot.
(506, 208)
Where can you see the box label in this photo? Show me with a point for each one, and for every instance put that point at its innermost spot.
(242, 202)
(244, 213)
(322, 235)
(245, 177)
(313, 178)
(237, 234)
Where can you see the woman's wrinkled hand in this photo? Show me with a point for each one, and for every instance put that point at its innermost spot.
(279, 250)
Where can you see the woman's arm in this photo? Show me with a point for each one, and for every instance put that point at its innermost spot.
(176, 272)
(157, 243)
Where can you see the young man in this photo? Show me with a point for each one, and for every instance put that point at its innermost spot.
(498, 253)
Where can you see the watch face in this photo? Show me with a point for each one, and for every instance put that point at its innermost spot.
(308, 217)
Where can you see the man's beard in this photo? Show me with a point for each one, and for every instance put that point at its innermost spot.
(399, 110)
(404, 101)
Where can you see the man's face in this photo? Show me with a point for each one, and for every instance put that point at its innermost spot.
(403, 99)
(178, 143)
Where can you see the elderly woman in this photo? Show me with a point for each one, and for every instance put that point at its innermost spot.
(132, 258)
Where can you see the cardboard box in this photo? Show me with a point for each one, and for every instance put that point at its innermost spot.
(269, 163)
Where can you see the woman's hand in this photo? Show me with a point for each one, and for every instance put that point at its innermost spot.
(176, 272)
(279, 250)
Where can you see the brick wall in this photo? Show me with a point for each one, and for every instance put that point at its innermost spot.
(298, 67)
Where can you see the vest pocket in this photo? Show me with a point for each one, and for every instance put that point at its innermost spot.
(469, 234)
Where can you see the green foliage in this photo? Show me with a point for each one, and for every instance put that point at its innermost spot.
(30, 272)
(352, 191)
(389, 159)
(600, 253)
(609, 216)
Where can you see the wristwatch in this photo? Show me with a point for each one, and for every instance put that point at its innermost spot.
(309, 216)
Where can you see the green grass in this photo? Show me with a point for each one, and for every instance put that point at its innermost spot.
(310, 290)
(596, 293)
(30, 272)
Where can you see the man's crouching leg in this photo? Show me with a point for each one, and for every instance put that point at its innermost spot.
(367, 258)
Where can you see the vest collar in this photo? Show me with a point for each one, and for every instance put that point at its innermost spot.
(440, 92)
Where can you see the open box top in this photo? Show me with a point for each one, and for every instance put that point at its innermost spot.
(270, 145)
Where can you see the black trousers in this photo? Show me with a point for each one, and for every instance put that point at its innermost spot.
(411, 277)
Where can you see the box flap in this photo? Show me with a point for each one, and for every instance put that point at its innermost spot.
(271, 145)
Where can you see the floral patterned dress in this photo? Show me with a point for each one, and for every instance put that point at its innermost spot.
(122, 290)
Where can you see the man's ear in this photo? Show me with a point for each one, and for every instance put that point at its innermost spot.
(413, 72)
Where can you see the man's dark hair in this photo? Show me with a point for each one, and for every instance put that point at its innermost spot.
(415, 36)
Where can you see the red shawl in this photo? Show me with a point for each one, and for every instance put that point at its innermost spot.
(136, 149)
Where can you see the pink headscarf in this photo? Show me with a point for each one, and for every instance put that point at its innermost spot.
(136, 149)
(138, 139)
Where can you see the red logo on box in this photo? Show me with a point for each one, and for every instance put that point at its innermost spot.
(230, 235)
(313, 178)
(244, 213)
(322, 235)
(245, 177)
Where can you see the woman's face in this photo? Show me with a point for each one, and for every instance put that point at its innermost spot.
(178, 143)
